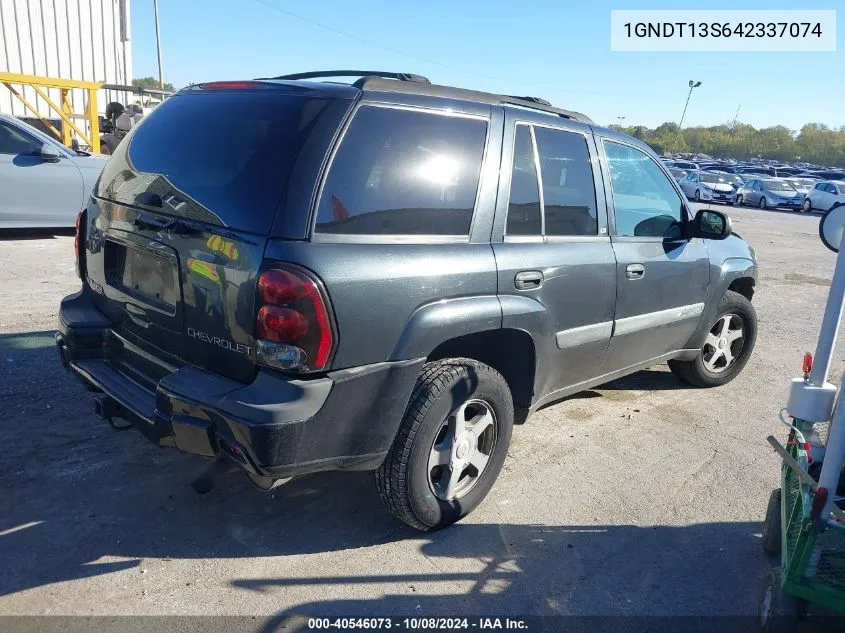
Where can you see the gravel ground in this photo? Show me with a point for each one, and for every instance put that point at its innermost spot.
(641, 497)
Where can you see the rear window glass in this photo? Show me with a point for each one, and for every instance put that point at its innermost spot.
(218, 157)
(403, 172)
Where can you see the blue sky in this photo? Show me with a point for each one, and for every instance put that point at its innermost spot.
(558, 49)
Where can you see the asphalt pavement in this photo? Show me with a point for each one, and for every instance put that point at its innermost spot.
(642, 497)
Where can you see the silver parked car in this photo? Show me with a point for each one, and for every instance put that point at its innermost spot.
(44, 183)
(706, 185)
(802, 185)
(770, 193)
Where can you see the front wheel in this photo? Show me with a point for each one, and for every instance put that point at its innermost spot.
(772, 529)
(738, 200)
(726, 348)
(763, 204)
(807, 206)
(451, 444)
(779, 611)
(697, 195)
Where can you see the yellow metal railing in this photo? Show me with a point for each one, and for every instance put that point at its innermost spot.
(64, 109)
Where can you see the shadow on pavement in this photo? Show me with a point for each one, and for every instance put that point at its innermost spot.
(75, 493)
(553, 570)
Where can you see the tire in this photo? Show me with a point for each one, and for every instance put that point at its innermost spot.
(697, 195)
(779, 611)
(772, 525)
(763, 204)
(738, 200)
(696, 373)
(405, 479)
(807, 206)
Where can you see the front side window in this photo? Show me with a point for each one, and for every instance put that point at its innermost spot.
(645, 202)
(14, 141)
(403, 172)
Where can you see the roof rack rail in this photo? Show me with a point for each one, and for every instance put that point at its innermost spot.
(534, 103)
(353, 73)
(536, 100)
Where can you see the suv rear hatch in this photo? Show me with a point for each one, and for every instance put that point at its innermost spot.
(177, 226)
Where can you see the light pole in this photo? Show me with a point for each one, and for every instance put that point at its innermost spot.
(692, 84)
(158, 47)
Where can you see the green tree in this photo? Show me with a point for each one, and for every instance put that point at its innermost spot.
(814, 143)
(151, 82)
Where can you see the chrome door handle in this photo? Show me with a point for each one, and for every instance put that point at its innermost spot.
(528, 280)
(635, 271)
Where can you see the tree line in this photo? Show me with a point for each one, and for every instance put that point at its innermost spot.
(814, 143)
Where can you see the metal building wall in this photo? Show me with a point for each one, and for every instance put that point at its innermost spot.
(86, 40)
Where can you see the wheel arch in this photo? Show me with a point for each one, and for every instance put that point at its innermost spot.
(509, 351)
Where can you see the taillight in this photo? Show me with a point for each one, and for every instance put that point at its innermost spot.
(79, 243)
(294, 327)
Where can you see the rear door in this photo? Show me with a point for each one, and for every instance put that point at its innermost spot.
(661, 277)
(555, 254)
(35, 192)
(179, 222)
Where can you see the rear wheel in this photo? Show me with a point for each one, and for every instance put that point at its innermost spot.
(726, 348)
(451, 444)
(763, 204)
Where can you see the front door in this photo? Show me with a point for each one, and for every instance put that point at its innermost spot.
(661, 276)
(556, 268)
(35, 192)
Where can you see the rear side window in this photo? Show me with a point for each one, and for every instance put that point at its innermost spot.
(569, 195)
(524, 203)
(403, 172)
(221, 157)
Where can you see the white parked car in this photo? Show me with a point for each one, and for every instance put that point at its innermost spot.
(824, 195)
(42, 182)
(706, 185)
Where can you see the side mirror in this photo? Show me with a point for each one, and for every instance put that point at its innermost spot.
(49, 154)
(831, 227)
(711, 225)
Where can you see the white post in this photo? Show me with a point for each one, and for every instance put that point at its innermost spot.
(158, 47)
(834, 456)
(830, 322)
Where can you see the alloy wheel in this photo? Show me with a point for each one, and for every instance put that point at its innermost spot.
(462, 449)
(724, 343)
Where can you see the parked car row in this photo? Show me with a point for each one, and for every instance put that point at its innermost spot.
(720, 182)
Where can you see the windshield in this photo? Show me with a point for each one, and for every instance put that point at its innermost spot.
(779, 185)
(711, 178)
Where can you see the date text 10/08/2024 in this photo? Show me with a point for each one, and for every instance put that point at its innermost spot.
(418, 623)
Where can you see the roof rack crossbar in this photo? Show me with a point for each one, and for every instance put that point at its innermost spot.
(316, 74)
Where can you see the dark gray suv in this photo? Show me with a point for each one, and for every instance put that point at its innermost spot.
(294, 275)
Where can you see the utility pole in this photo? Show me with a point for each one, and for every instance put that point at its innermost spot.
(158, 47)
(736, 116)
(692, 84)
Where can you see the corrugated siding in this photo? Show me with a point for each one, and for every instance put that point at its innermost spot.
(86, 40)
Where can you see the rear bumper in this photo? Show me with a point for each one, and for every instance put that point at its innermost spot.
(275, 426)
